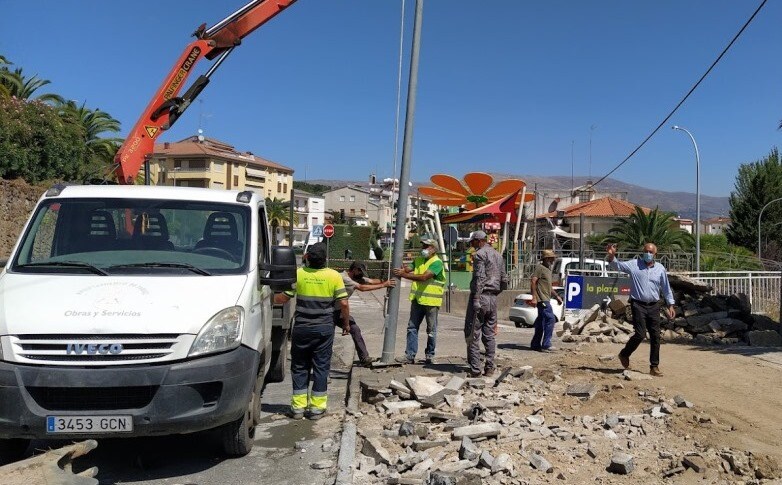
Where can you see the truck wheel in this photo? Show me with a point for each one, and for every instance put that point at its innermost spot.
(277, 367)
(238, 437)
(12, 449)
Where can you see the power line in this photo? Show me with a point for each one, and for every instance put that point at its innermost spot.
(663, 122)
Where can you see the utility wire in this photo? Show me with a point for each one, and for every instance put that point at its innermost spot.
(663, 122)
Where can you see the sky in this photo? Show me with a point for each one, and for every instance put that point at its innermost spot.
(505, 86)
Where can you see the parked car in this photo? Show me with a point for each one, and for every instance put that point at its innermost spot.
(523, 314)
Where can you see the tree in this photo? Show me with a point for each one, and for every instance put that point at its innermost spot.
(19, 86)
(278, 212)
(36, 145)
(315, 189)
(757, 184)
(655, 227)
(93, 123)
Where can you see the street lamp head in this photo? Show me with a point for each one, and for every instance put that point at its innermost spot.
(675, 127)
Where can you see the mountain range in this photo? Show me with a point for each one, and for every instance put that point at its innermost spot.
(680, 203)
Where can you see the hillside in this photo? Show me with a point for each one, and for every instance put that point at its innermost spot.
(681, 203)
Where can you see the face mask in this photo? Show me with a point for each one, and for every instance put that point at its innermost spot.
(648, 257)
(425, 253)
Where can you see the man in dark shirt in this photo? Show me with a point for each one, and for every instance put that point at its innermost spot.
(488, 279)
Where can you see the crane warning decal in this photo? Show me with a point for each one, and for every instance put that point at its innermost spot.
(151, 130)
(191, 58)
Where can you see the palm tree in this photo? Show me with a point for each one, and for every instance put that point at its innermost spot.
(655, 227)
(4, 91)
(93, 123)
(278, 213)
(23, 88)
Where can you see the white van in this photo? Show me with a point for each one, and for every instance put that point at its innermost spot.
(591, 267)
(139, 311)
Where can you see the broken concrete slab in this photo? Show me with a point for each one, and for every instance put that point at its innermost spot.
(695, 462)
(455, 383)
(486, 460)
(374, 448)
(584, 390)
(398, 386)
(621, 463)
(477, 430)
(631, 375)
(437, 398)
(393, 407)
(539, 463)
(423, 386)
(681, 402)
(502, 463)
(468, 450)
(426, 445)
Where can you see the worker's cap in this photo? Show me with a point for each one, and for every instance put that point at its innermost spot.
(479, 235)
(360, 269)
(316, 255)
(429, 242)
(547, 253)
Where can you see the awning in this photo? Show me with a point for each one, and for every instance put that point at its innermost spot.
(494, 212)
(255, 173)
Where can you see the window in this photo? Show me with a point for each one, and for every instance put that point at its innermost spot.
(342, 198)
(363, 212)
(198, 164)
(279, 187)
(284, 188)
(177, 163)
(352, 198)
(236, 181)
(352, 212)
(314, 221)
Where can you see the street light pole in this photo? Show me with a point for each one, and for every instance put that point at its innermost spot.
(761, 215)
(697, 201)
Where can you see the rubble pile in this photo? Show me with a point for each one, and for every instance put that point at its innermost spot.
(530, 427)
(700, 316)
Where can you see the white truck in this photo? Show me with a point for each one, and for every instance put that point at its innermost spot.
(137, 311)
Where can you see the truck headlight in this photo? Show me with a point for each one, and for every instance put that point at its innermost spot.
(222, 332)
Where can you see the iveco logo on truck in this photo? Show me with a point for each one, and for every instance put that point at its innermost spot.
(93, 349)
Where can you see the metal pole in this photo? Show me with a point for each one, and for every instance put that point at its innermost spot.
(581, 241)
(290, 223)
(697, 201)
(389, 337)
(761, 215)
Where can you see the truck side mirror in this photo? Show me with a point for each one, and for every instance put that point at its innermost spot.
(282, 270)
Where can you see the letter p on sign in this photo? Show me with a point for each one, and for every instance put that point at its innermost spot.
(574, 285)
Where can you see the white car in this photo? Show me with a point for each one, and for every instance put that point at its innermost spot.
(523, 314)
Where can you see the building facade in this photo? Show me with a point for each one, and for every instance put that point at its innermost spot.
(310, 212)
(198, 161)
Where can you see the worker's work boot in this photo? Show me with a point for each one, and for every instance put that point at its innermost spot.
(625, 361)
(655, 371)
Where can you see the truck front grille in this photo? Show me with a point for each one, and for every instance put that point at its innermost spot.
(92, 398)
(108, 349)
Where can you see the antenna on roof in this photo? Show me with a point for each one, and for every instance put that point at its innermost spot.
(200, 135)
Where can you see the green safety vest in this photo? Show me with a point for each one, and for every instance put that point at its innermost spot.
(429, 292)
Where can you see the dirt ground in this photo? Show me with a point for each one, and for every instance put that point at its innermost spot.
(735, 417)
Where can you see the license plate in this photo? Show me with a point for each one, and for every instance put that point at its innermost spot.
(89, 424)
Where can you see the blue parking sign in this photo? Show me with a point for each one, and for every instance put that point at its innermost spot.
(573, 291)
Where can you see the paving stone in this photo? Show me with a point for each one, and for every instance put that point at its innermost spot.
(406, 429)
(426, 445)
(478, 430)
(611, 421)
(373, 448)
(582, 390)
(539, 463)
(486, 460)
(322, 465)
(437, 398)
(476, 383)
(631, 375)
(423, 386)
(502, 463)
(400, 406)
(536, 420)
(468, 450)
(423, 466)
(696, 462)
(621, 463)
(398, 386)
(456, 401)
(455, 383)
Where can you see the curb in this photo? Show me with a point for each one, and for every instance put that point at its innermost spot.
(347, 445)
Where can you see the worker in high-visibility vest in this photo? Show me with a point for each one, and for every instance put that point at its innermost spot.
(426, 297)
(319, 290)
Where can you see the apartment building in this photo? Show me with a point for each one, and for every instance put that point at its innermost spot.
(198, 161)
(310, 212)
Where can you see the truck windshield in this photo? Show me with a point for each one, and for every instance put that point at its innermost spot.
(135, 236)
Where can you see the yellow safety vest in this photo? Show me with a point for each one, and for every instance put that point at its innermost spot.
(429, 292)
(316, 292)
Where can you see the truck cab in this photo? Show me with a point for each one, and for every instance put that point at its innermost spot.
(138, 311)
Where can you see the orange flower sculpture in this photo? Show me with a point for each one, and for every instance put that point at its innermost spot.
(477, 190)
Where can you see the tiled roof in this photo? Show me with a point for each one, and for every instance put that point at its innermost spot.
(717, 220)
(603, 207)
(191, 146)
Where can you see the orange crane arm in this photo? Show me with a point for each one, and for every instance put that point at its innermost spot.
(166, 106)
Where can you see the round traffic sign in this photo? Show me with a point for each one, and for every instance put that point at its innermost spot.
(328, 230)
